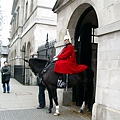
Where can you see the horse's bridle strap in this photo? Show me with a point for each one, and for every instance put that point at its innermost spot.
(44, 69)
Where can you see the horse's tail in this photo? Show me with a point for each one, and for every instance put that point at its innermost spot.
(93, 84)
(91, 72)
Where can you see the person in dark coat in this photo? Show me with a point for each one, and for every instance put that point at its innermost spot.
(41, 94)
(65, 62)
(6, 77)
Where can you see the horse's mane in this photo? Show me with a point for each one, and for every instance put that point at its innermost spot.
(37, 63)
(38, 59)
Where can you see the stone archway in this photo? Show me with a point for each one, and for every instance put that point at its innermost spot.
(81, 27)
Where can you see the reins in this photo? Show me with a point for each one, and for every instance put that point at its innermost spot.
(47, 65)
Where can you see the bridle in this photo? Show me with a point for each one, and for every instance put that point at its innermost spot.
(47, 65)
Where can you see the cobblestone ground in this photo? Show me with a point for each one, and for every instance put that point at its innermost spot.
(35, 114)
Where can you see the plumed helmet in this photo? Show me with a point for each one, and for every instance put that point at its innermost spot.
(66, 37)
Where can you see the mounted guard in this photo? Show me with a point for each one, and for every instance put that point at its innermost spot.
(65, 61)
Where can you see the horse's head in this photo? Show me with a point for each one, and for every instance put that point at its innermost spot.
(33, 70)
(37, 65)
(31, 67)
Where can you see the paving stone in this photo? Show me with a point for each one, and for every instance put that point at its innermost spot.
(21, 103)
(35, 114)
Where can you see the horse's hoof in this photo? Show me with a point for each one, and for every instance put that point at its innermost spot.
(49, 111)
(88, 110)
(80, 111)
(56, 114)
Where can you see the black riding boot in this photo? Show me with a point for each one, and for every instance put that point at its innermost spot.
(64, 78)
(61, 81)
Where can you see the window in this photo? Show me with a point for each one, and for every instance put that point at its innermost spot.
(31, 6)
(26, 10)
(17, 24)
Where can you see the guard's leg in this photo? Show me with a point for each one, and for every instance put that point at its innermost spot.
(65, 79)
(41, 96)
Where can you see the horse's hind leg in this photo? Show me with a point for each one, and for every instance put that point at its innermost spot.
(90, 95)
(82, 107)
(85, 95)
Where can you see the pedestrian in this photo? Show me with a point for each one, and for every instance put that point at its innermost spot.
(6, 77)
(41, 94)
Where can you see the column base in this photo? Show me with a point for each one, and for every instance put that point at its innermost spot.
(101, 112)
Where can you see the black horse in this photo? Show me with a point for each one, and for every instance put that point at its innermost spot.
(45, 69)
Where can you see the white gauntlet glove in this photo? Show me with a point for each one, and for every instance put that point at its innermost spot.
(54, 59)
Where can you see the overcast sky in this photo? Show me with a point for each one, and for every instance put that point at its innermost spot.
(6, 7)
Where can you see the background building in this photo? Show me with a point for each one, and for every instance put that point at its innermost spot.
(4, 54)
(94, 27)
(30, 23)
(3, 43)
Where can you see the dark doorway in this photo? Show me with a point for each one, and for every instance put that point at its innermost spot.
(83, 55)
(84, 45)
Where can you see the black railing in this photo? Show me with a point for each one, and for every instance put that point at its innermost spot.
(24, 53)
(47, 51)
(18, 71)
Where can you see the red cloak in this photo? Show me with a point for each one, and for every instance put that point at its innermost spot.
(66, 63)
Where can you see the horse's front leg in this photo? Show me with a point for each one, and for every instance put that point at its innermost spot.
(54, 94)
(51, 103)
(57, 111)
(82, 107)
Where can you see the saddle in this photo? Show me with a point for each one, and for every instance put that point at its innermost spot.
(62, 80)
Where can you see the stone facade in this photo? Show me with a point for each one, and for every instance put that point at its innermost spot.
(104, 15)
(30, 23)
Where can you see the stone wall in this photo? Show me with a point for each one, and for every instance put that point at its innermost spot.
(107, 98)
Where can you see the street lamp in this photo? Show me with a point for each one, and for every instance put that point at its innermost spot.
(47, 47)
